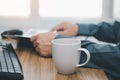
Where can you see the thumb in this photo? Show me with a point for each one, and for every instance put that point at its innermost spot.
(54, 29)
(57, 28)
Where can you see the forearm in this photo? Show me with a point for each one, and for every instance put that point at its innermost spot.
(102, 31)
(87, 29)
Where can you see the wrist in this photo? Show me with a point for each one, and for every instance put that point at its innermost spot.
(76, 29)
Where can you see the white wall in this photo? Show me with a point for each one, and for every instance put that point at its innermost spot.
(47, 23)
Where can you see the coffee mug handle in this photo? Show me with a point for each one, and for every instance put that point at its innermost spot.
(87, 54)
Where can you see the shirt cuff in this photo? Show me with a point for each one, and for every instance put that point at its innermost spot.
(61, 36)
(83, 29)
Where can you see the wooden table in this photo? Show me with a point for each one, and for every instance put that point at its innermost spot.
(36, 67)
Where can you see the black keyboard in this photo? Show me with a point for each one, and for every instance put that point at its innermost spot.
(10, 67)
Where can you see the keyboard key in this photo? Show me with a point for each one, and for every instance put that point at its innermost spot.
(8, 60)
(10, 67)
(3, 62)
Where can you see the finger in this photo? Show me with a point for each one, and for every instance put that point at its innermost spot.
(38, 49)
(45, 50)
(61, 32)
(36, 43)
(44, 53)
(57, 27)
(33, 38)
(62, 27)
(54, 28)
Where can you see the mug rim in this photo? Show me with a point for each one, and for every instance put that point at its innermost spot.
(78, 41)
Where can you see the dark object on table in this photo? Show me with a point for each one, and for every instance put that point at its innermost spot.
(11, 32)
(10, 66)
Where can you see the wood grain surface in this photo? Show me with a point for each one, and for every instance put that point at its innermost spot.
(36, 67)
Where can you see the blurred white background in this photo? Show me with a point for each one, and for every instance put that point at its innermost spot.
(44, 14)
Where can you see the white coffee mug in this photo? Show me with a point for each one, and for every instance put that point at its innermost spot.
(66, 54)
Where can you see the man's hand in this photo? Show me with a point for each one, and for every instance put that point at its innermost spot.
(66, 29)
(42, 43)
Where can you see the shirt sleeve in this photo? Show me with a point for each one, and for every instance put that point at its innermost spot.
(103, 56)
(62, 36)
(108, 32)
